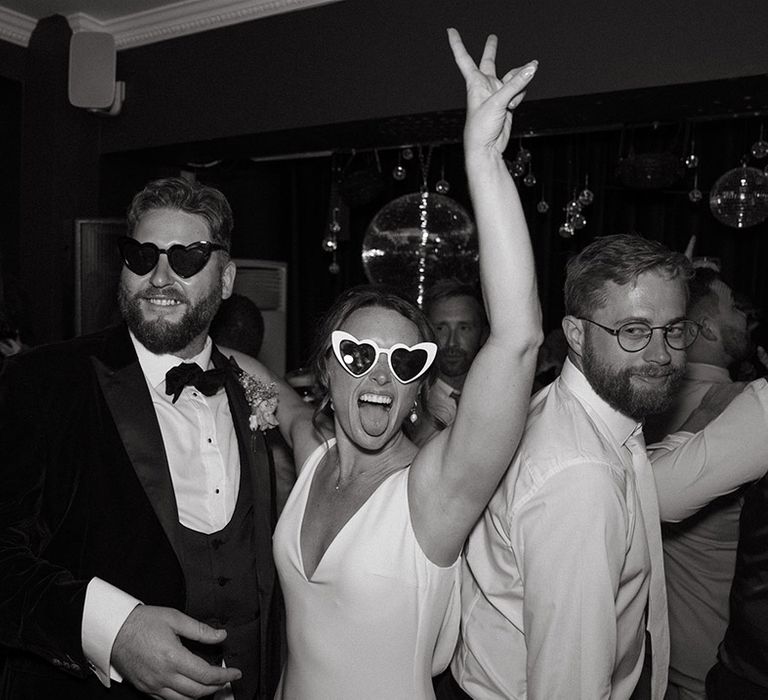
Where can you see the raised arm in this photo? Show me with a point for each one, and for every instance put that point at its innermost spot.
(461, 467)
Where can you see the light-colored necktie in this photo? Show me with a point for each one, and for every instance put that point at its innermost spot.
(658, 623)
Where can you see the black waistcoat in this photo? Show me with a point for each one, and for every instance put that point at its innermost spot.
(222, 590)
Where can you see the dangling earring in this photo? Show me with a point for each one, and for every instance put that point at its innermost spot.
(414, 416)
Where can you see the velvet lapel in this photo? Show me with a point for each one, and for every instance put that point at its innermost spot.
(126, 394)
(255, 456)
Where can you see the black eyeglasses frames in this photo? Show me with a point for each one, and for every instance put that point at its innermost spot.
(635, 336)
(185, 260)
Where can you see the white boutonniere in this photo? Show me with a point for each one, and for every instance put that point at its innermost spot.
(262, 398)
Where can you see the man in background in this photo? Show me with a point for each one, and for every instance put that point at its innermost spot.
(700, 551)
(457, 312)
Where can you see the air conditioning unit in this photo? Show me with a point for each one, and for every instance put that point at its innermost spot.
(265, 282)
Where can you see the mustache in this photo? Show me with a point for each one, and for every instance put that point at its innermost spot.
(452, 352)
(655, 372)
(171, 294)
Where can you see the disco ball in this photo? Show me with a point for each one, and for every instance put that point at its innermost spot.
(418, 239)
(740, 197)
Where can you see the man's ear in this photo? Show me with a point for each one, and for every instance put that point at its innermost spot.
(707, 329)
(228, 279)
(573, 328)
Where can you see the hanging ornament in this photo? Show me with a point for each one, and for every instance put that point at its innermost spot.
(442, 186)
(760, 147)
(523, 155)
(530, 179)
(518, 168)
(739, 198)
(573, 207)
(578, 221)
(407, 153)
(419, 238)
(586, 197)
(695, 194)
(398, 172)
(691, 161)
(542, 207)
(330, 244)
(566, 230)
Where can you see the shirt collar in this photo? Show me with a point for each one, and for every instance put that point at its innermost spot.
(708, 373)
(443, 387)
(155, 367)
(620, 427)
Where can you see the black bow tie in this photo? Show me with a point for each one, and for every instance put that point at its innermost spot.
(191, 374)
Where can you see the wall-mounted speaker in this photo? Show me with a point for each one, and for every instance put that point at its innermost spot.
(92, 65)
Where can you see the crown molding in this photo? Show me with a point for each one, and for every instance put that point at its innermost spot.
(167, 22)
(15, 27)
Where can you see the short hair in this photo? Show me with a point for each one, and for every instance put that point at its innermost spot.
(621, 259)
(450, 287)
(190, 197)
(238, 325)
(702, 299)
(360, 297)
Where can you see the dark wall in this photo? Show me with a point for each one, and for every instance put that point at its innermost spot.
(356, 60)
(11, 60)
(59, 182)
(338, 64)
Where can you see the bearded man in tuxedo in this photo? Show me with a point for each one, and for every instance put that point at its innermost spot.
(136, 503)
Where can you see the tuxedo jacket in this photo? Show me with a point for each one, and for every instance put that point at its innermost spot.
(85, 490)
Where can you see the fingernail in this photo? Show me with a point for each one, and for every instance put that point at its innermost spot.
(530, 69)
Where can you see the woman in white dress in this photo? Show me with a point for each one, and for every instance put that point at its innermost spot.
(367, 547)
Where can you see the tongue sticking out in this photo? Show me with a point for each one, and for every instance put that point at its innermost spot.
(374, 415)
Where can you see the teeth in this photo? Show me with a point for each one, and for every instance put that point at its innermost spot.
(376, 398)
(163, 302)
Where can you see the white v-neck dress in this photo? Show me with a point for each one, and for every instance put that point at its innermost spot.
(377, 619)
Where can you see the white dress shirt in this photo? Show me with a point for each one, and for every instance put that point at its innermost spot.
(201, 447)
(557, 571)
(551, 605)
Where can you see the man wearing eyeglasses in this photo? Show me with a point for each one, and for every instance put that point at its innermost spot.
(563, 594)
(137, 505)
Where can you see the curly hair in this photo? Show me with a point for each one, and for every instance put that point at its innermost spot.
(190, 197)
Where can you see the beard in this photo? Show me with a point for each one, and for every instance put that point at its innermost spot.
(163, 337)
(616, 388)
(453, 362)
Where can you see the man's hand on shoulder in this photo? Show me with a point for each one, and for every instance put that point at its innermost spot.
(149, 654)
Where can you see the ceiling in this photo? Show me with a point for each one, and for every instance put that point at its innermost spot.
(138, 22)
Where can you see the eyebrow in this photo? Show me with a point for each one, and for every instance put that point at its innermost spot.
(643, 319)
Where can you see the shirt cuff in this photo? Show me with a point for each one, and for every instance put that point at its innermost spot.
(106, 609)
